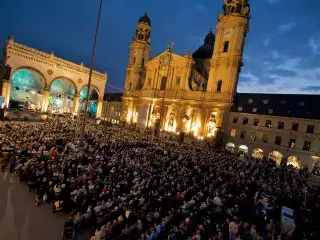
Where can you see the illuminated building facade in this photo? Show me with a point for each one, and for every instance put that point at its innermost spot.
(112, 108)
(192, 93)
(49, 83)
(276, 126)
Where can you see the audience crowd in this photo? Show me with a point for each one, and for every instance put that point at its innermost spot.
(125, 185)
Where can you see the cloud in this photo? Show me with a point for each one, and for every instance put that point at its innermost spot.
(314, 45)
(310, 89)
(286, 27)
(276, 55)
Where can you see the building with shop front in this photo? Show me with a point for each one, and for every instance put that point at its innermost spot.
(196, 93)
(48, 83)
(112, 108)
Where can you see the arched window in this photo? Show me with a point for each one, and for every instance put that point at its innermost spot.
(219, 86)
(163, 83)
(226, 46)
(129, 86)
(142, 62)
(134, 60)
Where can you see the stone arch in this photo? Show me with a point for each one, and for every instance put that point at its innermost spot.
(83, 91)
(27, 85)
(230, 147)
(257, 153)
(32, 69)
(243, 150)
(294, 161)
(316, 168)
(276, 156)
(67, 81)
(94, 97)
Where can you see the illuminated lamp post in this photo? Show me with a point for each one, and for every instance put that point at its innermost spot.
(90, 76)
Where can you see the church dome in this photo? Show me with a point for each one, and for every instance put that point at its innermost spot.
(206, 50)
(145, 19)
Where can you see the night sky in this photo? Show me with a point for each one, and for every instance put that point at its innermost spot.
(282, 52)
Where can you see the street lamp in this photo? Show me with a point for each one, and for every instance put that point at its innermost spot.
(90, 76)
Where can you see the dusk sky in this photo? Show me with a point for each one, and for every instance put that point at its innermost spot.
(282, 51)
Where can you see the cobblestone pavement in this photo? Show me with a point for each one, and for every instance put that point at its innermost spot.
(20, 219)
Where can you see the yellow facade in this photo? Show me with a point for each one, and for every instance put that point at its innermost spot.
(191, 94)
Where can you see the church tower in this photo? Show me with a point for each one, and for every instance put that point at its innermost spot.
(139, 55)
(226, 61)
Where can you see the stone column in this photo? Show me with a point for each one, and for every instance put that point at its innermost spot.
(75, 105)
(99, 109)
(6, 89)
(45, 100)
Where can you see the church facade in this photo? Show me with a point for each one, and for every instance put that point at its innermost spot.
(192, 93)
(196, 94)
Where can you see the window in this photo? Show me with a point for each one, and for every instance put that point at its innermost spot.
(265, 138)
(265, 101)
(129, 86)
(235, 120)
(310, 128)
(308, 114)
(250, 100)
(278, 140)
(268, 123)
(142, 63)
(226, 46)
(256, 122)
(134, 60)
(240, 108)
(178, 80)
(245, 120)
(283, 102)
(270, 111)
(149, 81)
(292, 142)
(295, 127)
(233, 132)
(242, 134)
(163, 83)
(254, 110)
(219, 86)
(306, 145)
(302, 103)
(289, 112)
(280, 125)
(253, 136)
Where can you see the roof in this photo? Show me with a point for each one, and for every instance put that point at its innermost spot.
(112, 97)
(285, 105)
(206, 50)
(145, 19)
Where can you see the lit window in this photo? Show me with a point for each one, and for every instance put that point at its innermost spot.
(270, 111)
(254, 110)
(233, 132)
(283, 102)
(265, 101)
(240, 108)
(292, 142)
(268, 123)
(306, 145)
(302, 103)
(250, 100)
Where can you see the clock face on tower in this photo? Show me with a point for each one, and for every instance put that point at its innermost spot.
(134, 52)
(228, 32)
